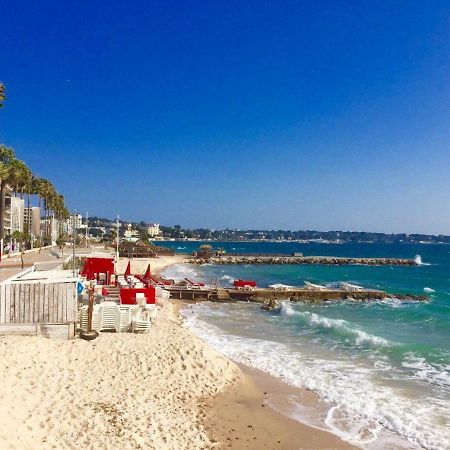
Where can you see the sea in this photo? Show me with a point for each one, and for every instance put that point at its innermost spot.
(380, 369)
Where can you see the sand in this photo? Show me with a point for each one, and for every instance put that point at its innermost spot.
(120, 391)
(241, 418)
(163, 390)
(139, 266)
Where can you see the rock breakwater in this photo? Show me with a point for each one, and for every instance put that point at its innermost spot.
(317, 260)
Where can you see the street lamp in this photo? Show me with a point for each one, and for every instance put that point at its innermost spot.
(117, 241)
(73, 243)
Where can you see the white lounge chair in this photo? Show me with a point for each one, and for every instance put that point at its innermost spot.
(138, 322)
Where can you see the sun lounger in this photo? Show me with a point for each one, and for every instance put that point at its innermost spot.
(138, 322)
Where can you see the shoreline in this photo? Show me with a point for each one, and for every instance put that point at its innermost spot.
(242, 415)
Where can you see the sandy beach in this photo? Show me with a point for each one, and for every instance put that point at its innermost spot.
(121, 391)
(163, 390)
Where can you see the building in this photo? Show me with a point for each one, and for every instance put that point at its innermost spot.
(153, 230)
(130, 234)
(32, 221)
(67, 226)
(50, 229)
(14, 214)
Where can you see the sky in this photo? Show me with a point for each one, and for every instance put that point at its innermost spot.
(325, 115)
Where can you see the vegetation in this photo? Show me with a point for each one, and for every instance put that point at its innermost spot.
(2, 94)
(20, 237)
(69, 264)
(15, 174)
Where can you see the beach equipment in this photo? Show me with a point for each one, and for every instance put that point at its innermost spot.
(128, 270)
(128, 295)
(244, 284)
(314, 287)
(124, 322)
(147, 273)
(194, 284)
(140, 321)
(108, 316)
(350, 287)
(99, 269)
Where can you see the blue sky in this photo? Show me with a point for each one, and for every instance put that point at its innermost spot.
(300, 115)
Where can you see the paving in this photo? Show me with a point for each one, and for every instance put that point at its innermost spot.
(44, 260)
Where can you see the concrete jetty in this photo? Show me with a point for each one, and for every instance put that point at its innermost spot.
(316, 260)
(294, 294)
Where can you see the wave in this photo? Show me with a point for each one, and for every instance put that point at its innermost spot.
(344, 328)
(419, 262)
(179, 272)
(423, 370)
(428, 290)
(355, 396)
(228, 278)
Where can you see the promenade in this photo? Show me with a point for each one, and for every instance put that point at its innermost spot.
(44, 260)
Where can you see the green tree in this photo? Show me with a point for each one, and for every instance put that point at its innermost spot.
(20, 237)
(2, 94)
(60, 242)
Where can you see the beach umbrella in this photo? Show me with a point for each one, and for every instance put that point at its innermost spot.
(128, 271)
(147, 273)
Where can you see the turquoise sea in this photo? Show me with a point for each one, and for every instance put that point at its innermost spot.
(381, 369)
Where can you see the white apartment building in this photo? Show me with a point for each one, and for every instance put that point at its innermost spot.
(153, 229)
(32, 221)
(14, 214)
(68, 224)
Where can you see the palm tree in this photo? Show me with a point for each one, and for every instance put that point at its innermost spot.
(20, 237)
(7, 171)
(47, 192)
(28, 189)
(2, 94)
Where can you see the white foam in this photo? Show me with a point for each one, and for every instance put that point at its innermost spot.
(179, 272)
(429, 290)
(346, 328)
(354, 388)
(419, 262)
(439, 375)
(228, 278)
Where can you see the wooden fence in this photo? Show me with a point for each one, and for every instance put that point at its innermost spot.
(38, 307)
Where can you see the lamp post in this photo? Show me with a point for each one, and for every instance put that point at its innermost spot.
(117, 241)
(87, 229)
(73, 244)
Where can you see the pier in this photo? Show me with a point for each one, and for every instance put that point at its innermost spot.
(260, 295)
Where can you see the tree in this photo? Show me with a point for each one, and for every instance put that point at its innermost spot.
(60, 242)
(20, 237)
(2, 94)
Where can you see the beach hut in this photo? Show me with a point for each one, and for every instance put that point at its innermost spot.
(99, 269)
